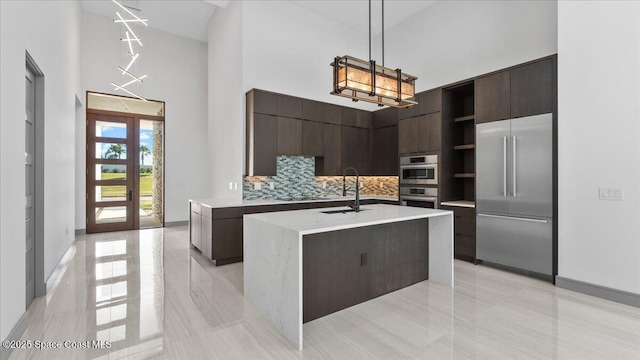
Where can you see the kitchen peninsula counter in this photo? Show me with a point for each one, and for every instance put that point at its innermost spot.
(377, 250)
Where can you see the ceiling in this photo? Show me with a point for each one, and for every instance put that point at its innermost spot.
(355, 13)
(190, 18)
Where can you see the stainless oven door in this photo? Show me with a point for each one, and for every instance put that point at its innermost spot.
(419, 174)
(420, 201)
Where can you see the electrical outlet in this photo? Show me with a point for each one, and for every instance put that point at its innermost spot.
(611, 194)
(257, 186)
(230, 185)
(272, 186)
(235, 186)
(381, 185)
(324, 184)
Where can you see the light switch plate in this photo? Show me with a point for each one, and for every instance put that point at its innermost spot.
(611, 194)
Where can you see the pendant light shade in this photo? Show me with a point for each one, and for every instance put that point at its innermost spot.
(364, 80)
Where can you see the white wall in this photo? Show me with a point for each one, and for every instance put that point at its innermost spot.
(451, 41)
(599, 127)
(288, 49)
(177, 74)
(50, 32)
(226, 103)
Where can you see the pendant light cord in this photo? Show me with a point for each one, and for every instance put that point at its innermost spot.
(369, 30)
(382, 32)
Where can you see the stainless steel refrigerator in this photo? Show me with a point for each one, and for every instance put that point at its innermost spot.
(514, 193)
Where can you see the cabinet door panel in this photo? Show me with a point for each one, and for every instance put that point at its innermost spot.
(429, 102)
(363, 156)
(312, 138)
(227, 239)
(493, 97)
(348, 116)
(289, 106)
(408, 136)
(332, 149)
(393, 151)
(381, 151)
(349, 140)
(265, 102)
(332, 114)
(429, 132)
(532, 89)
(265, 141)
(312, 110)
(289, 136)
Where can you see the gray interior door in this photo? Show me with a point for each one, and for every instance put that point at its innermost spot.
(493, 166)
(29, 178)
(532, 180)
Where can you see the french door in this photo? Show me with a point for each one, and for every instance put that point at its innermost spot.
(111, 173)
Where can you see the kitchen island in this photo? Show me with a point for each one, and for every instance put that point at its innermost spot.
(301, 265)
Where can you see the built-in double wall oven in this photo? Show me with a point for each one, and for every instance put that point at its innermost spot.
(419, 180)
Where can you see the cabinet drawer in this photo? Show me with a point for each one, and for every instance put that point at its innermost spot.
(266, 208)
(465, 226)
(228, 213)
(465, 246)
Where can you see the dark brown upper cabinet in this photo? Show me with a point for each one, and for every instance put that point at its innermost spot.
(289, 106)
(312, 138)
(405, 113)
(262, 158)
(332, 114)
(384, 151)
(420, 134)
(385, 117)
(348, 117)
(332, 150)
(355, 149)
(430, 132)
(493, 99)
(363, 119)
(264, 102)
(289, 136)
(312, 110)
(532, 89)
(429, 101)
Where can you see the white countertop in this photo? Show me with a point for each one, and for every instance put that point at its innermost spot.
(229, 202)
(315, 221)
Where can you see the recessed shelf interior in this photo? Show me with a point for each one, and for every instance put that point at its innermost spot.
(464, 147)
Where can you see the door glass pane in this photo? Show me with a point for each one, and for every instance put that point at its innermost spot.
(111, 193)
(111, 214)
(111, 172)
(111, 129)
(151, 173)
(111, 151)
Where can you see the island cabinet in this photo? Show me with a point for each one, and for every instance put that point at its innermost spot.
(346, 267)
(520, 91)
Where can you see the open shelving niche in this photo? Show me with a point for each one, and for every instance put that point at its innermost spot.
(458, 163)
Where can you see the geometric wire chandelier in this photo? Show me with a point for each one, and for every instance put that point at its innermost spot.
(133, 42)
(364, 80)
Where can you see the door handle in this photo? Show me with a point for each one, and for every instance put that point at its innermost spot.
(130, 195)
(514, 171)
(541, 221)
(504, 166)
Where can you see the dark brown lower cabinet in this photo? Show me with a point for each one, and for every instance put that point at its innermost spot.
(346, 267)
(217, 232)
(465, 232)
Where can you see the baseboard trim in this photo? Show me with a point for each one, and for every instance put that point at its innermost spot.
(81, 231)
(14, 335)
(602, 292)
(61, 267)
(175, 223)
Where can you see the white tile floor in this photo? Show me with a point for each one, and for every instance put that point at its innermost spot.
(153, 297)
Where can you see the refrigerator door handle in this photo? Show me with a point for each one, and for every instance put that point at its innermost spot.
(542, 221)
(504, 166)
(514, 171)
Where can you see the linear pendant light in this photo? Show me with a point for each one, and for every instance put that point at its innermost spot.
(364, 80)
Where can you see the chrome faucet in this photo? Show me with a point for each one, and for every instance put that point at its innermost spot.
(356, 207)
